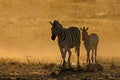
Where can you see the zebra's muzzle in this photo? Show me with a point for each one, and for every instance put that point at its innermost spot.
(53, 37)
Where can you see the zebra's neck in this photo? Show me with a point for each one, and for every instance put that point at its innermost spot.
(87, 39)
(61, 36)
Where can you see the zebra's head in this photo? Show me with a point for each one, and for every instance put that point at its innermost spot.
(56, 26)
(84, 33)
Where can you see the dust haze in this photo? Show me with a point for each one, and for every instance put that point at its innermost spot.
(25, 30)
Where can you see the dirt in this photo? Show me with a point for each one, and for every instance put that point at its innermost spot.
(11, 69)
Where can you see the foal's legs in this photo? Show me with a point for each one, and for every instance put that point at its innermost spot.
(88, 56)
(92, 55)
(95, 55)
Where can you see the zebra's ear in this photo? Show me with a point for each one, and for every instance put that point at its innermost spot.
(87, 28)
(81, 28)
(50, 22)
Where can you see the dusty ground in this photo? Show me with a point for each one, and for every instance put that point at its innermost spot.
(11, 69)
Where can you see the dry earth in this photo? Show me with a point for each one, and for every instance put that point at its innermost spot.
(11, 69)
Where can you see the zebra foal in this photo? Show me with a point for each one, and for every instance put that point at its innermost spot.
(67, 38)
(90, 43)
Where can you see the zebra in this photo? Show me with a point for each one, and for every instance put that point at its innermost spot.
(67, 38)
(90, 43)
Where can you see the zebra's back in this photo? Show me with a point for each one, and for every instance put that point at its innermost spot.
(94, 39)
(74, 36)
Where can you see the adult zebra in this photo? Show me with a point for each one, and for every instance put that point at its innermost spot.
(90, 43)
(67, 39)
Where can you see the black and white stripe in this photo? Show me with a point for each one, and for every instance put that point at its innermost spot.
(67, 38)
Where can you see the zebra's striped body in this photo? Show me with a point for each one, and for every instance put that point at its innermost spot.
(90, 43)
(67, 39)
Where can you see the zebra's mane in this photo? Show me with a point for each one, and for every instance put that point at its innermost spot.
(60, 25)
(57, 23)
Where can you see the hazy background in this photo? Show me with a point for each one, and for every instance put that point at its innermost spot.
(25, 30)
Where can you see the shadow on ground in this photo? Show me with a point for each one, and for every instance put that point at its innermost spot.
(76, 73)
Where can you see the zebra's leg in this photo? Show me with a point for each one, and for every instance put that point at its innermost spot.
(88, 56)
(95, 55)
(69, 52)
(63, 53)
(78, 55)
(92, 55)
